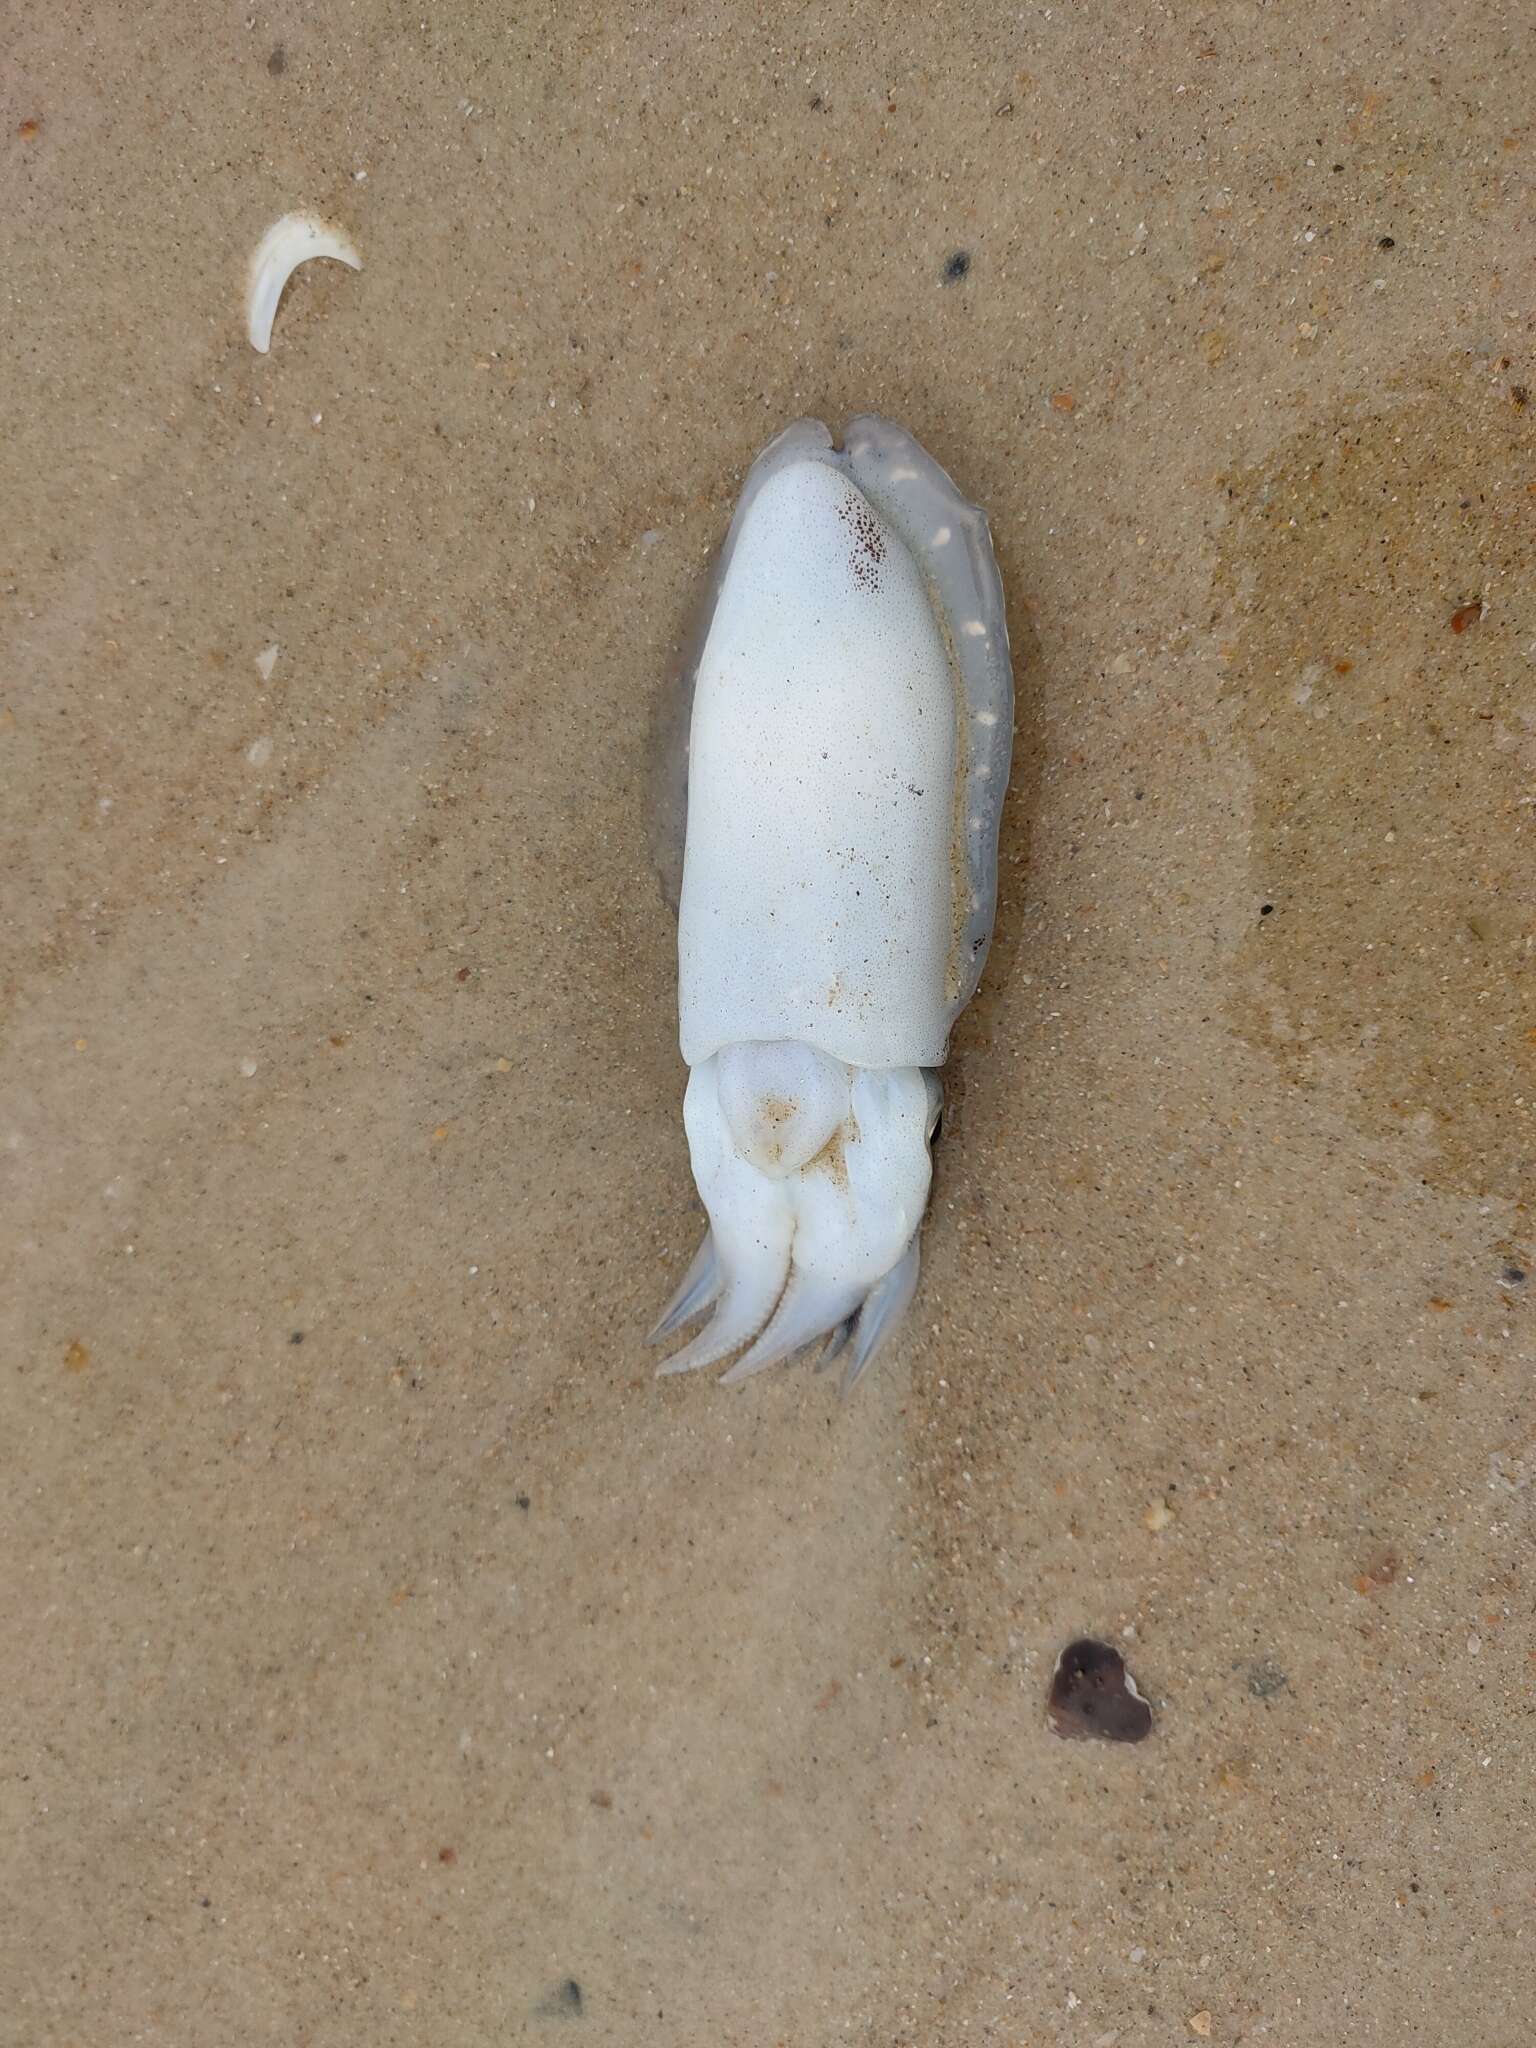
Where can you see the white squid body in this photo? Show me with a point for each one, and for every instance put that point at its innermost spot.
(847, 757)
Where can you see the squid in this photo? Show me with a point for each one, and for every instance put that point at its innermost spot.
(847, 755)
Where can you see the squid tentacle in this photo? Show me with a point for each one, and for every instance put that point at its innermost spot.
(815, 1176)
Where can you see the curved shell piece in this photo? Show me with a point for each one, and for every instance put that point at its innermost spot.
(848, 754)
(296, 238)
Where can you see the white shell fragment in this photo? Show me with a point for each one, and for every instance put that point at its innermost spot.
(296, 238)
(266, 661)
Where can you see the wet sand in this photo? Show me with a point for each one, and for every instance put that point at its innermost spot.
(388, 1656)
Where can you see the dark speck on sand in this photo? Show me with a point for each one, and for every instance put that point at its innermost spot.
(564, 2002)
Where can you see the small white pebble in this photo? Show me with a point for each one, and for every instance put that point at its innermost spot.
(266, 661)
(248, 1067)
(259, 752)
(359, 177)
(1138, 1955)
(1474, 1646)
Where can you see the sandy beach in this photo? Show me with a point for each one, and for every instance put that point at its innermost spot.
(389, 1657)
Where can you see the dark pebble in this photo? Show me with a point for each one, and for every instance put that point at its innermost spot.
(1514, 1275)
(564, 2002)
(1266, 909)
(297, 1337)
(1092, 1693)
(1386, 242)
(524, 1502)
(1266, 1679)
(277, 63)
(956, 267)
